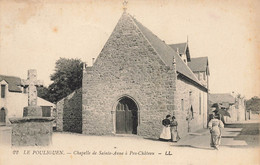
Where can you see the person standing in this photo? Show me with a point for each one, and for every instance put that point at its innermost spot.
(215, 126)
(166, 132)
(174, 131)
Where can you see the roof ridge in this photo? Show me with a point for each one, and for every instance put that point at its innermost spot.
(192, 72)
(9, 76)
(133, 19)
(200, 57)
(174, 55)
(179, 43)
(188, 67)
(151, 33)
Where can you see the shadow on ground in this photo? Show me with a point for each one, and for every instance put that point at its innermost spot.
(249, 133)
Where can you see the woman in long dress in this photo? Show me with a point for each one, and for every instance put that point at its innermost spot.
(166, 132)
(215, 126)
(174, 131)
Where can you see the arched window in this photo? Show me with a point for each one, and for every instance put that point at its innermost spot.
(2, 115)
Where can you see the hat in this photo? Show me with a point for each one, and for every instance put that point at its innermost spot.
(215, 105)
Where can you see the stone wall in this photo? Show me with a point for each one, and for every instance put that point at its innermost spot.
(233, 113)
(59, 115)
(127, 66)
(69, 113)
(237, 111)
(255, 116)
(31, 131)
(199, 119)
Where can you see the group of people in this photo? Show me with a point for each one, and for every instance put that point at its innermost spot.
(170, 131)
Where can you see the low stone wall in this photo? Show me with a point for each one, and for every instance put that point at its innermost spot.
(69, 113)
(31, 131)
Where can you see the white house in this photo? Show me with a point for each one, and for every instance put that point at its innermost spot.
(14, 98)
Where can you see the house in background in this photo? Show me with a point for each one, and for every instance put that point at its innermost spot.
(200, 68)
(234, 105)
(183, 49)
(14, 98)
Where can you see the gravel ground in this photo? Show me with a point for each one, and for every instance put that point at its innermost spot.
(240, 145)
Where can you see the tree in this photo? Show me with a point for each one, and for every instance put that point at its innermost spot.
(253, 104)
(66, 78)
(43, 92)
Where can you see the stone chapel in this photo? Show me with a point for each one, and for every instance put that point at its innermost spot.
(137, 80)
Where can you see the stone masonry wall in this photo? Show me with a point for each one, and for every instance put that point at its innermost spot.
(59, 116)
(69, 113)
(32, 131)
(183, 89)
(127, 66)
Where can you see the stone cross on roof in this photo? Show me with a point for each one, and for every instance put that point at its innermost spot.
(31, 82)
(125, 5)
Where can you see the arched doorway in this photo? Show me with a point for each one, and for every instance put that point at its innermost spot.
(126, 116)
(2, 115)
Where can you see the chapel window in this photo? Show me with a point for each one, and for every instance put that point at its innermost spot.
(3, 91)
(182, 104)
(24, 90)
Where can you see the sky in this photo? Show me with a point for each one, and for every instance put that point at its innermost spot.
(34, 34)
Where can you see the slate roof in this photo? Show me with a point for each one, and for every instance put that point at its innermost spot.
(13, 83)
(221, 98)
(183, 47)
(166, 53)
(199, 64)
(13, 86)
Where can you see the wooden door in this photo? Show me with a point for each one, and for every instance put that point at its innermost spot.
(129, 121)
(126, 117)
(120, 121)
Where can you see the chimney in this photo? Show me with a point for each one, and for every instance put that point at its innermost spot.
(84, 66)
(93, 60)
